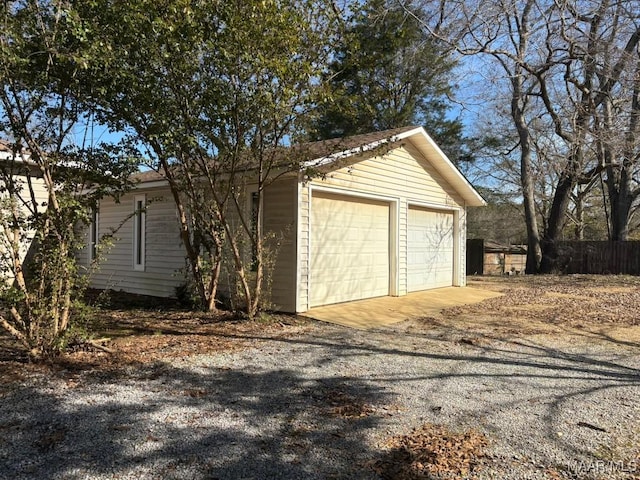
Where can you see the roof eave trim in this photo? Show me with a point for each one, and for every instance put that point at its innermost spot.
(328, 159)
(334, 157)
(471, 196)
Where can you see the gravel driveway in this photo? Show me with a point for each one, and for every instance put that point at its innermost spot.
(550, 408)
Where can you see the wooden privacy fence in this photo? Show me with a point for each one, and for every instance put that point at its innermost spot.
(598, 257)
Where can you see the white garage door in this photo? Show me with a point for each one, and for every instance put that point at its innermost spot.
(429, 249)
(349, 249)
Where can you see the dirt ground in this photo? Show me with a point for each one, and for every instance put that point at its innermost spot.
(136, 337)
(577, 308)
(590, 307)
(580, 307)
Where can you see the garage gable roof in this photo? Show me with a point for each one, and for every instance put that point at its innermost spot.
(359, 144)
(332, 153)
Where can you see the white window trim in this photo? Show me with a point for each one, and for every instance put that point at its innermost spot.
(94, 234)
(251, 190)
(139, 232)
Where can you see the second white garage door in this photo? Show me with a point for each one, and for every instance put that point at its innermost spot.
(349, 249)
(429, 249)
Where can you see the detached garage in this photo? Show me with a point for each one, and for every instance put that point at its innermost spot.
(366, 216)
(387, 217)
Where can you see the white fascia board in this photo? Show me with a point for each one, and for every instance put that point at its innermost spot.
(441, 162)
(152, 184)
(449, 170)
(321, 161)
(18, 157)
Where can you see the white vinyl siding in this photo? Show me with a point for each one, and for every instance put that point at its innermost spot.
(430, 247)
(41, 199)
(349, 248)
(278, 217)
(304, 204)
(164, 252)
(279, 220)
(401, 172)
(402, 175)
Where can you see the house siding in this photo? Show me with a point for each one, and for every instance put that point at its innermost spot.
(41, 195)
(164, 253)
(402, 243)
(279, 230)
(402, 175)
(402, 172)
(304, 254)
(462, 258)
(279, 220)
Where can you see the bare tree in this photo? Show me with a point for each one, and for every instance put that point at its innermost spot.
(617, 99)
(566, 64)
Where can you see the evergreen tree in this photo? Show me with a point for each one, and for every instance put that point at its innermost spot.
(387, 72)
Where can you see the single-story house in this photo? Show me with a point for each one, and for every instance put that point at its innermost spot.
(386, 217)
(19, 167)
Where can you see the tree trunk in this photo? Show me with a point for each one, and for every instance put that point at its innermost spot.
(193, 256)
(526, 178)
(557, 218)
(213, 282)
(621, 201)
(621, 196)
(579, 229)
(533, 237)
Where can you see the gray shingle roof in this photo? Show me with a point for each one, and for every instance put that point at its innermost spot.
(309, 151)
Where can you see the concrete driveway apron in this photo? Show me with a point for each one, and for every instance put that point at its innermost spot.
(380, 311)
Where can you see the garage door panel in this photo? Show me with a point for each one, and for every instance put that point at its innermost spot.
(349, 249)
(429, 249)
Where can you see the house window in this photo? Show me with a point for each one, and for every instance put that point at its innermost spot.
(139, 218)
(254, 208)
(93, 235)
(255, 203)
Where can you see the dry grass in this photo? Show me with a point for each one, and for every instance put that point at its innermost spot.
(585, 306)
(137, 337)
(432, 451)
(588, 307)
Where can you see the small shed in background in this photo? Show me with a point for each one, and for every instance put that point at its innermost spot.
(485, 257)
